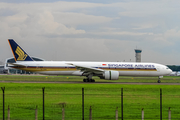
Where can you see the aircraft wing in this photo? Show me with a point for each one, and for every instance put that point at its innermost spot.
(87, 69)
(16, 64)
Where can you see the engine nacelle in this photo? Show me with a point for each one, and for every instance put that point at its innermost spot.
(111, 75)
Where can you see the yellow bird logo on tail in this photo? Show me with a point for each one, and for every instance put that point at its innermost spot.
(20, 53)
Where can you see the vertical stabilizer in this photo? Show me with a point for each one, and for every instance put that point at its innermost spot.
(18, 52)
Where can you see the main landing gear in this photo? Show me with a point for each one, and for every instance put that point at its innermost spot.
(89, 78)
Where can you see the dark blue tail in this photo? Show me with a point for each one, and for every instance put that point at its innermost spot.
(18, 52)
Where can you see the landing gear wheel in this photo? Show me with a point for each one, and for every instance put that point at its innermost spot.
(159, 81)
(85, 80)
(91, 80)
(88, 80)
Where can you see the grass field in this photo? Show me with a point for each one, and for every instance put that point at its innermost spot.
(103, 98)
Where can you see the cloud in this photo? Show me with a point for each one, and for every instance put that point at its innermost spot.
(48, 18)
(146, 8)
(145, 25)
(103, 31)
(123, 33)
(74, 19)
(51, 27)
(172, 33)
(168, 38)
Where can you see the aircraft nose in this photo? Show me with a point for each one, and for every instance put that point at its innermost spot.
(169, 71)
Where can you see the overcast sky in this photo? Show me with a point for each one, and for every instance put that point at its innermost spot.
(92, 30)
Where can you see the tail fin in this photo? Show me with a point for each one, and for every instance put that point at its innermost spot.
(18, 52)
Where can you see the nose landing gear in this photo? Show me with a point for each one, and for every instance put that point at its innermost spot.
(159, 81)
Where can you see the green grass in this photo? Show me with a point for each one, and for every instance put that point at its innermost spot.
(103, 98)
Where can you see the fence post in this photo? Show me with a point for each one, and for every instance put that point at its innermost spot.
(117, 113)
(160, 104)
(169, 114)
(36, 113)
(121, 103)
(63, 115)
(3, 88)
(43, 101)
(82, 103)
(142, 113)
(8, 113)
(90, 113)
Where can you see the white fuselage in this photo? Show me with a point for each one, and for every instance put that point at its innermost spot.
(65, 68)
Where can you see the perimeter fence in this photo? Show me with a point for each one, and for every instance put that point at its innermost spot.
(89, 104)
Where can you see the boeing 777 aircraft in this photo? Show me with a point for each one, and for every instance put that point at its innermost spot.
(104, 70)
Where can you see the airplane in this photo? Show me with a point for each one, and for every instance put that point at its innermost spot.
(104, 70)
(174, 73)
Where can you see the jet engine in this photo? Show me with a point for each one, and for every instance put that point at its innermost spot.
(111, 75)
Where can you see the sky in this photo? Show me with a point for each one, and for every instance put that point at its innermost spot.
(92, 30)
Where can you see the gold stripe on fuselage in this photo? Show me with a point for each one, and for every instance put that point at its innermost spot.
(36, 69)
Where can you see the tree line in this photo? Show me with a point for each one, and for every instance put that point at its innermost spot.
(174, 67)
